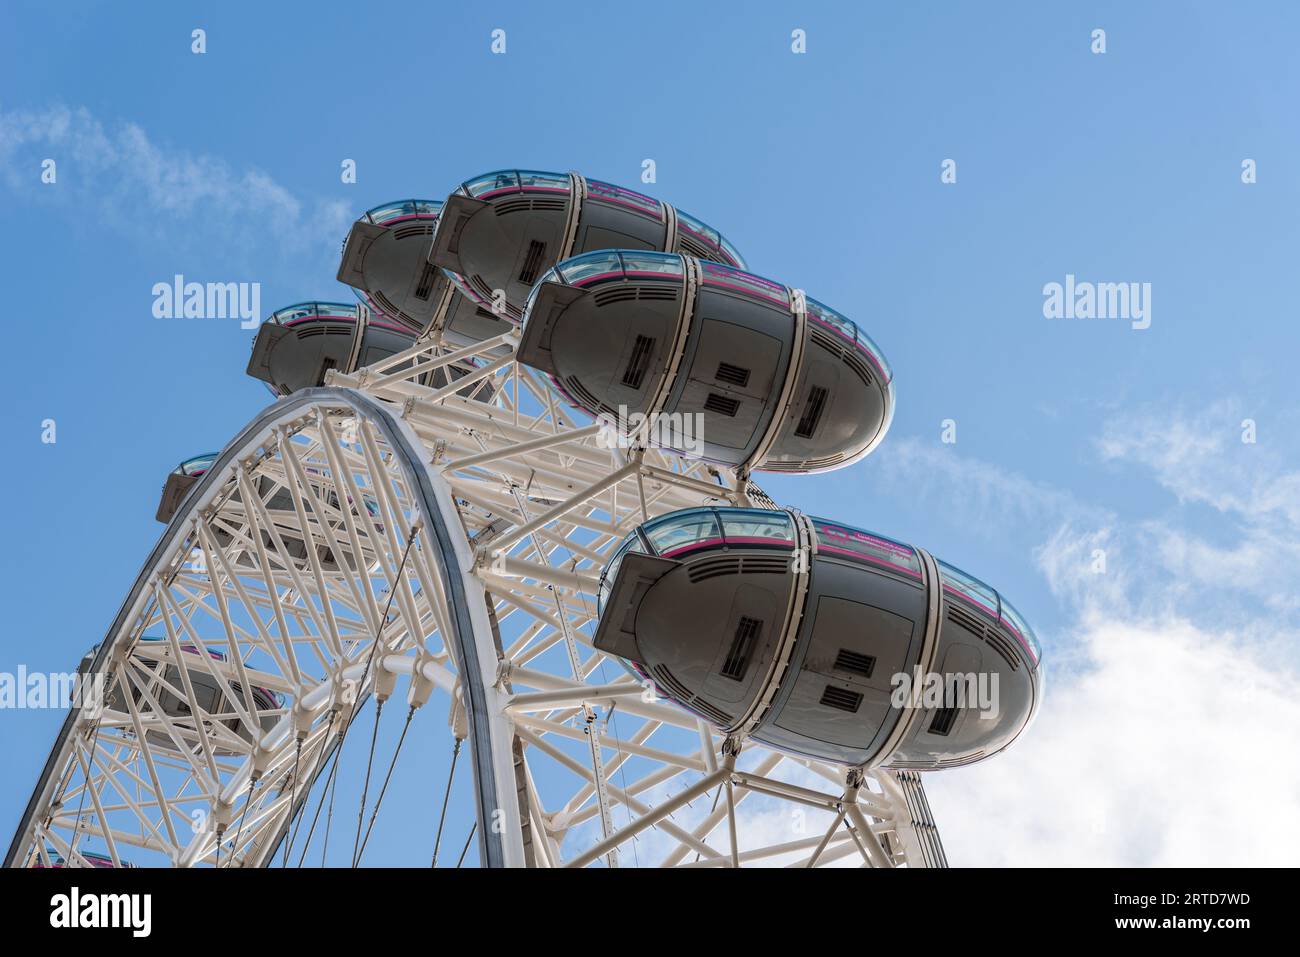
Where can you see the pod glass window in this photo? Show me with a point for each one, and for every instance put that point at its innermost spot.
(646, 265)
(1015, 622)
(839, 323)
(493, 182)
(403, 208)
(314, 310)
(706, 235)
(958, 582)
(699, 229)
(756, 526)
(537, 179)
(680, 531)
(851, 542)
(582, 269)
(197, 465)
(737, 280)
(731, 252)
(631, 545)
(625, 197)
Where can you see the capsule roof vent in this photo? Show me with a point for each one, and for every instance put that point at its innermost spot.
(721, 404)
(765, 565)
(693, 247)
(961, 616)
(812, 412)
(425, 285)
(532, 260)
(841, 699)
(612, 294)
(524, 204)
(742, 647)
(712, 568)
(638, 362)
(508, 206)
(855, 663)
(797, 465)
(959, 761)
(670, 684)
(943, 720)
(854, 361)
(732, 375)
(415, 229)
(583, 395)
(1003, 648)
(845, 353)
(714, 714)
(666, 680)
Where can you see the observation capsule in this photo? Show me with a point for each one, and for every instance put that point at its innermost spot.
(162, 679)
(720, 363)
(821, 639)
(296, 346)
(179, 481)
(281, 512)
(502, 230)
(97, 861)
(386, 260)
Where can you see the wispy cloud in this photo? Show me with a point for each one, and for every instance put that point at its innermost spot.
(115, 172)
(988, 492)
(1163, 745)
(1200, 457)
(1171, 684)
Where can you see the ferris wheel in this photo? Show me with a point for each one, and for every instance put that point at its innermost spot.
(510, 487)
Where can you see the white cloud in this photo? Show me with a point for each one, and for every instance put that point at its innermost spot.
(116, 173)
(1167, 732)
(1158, 744)
(987, 492)
(1200, 457)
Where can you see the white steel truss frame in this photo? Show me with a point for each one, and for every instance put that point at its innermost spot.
(489, 510)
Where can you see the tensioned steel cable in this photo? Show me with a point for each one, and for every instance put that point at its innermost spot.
(465, 849)
(293, 793)
(365, 787)
(293, 837)
(379, 703)
(329, 822)
(455, 753)
(387, 777)
(234, 848)
(329, 783)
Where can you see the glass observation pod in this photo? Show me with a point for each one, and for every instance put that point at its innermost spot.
(164, 683)
(386, 261)
(725, 365)
(711, 605)
(279, 507)
(92, 860)
(296, 346)
(503, 229)
(179, 481)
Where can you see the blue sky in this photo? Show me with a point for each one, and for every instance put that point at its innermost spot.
(824, 169)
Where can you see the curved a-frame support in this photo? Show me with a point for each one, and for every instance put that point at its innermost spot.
(408, 496)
